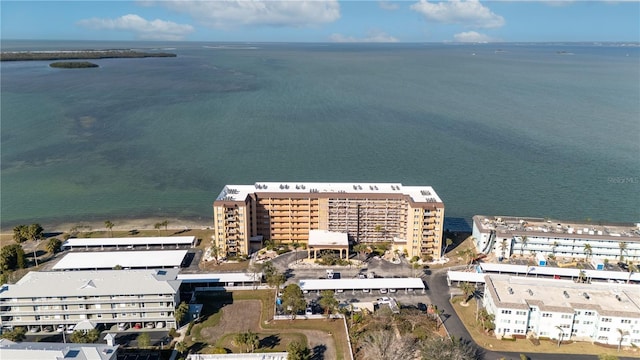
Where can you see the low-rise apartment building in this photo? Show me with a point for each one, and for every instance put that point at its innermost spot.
(607, 313)
(506, 236)
(412, 217)
(46, 300)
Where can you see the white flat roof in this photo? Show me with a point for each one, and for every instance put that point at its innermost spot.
(359, 284)
(160, 240)
(417, 193)
(10, 350)
(559, 294)
(326, 237)
(550, 271)
(126, 259)
(219, 277)
(93, 283)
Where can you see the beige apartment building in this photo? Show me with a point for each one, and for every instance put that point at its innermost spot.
(55, 300)
(409, 217)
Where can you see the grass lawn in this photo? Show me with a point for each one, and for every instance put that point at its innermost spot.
(284, 328)
(268, 342)
(467, 316)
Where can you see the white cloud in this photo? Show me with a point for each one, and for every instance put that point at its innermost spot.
(233, 13)
(473, 37)
(144, 29)
(385, 5)
(471, 13)
(372, 37)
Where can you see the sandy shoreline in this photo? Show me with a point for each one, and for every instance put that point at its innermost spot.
(126, 225)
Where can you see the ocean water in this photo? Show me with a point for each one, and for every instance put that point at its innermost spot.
(510, 129)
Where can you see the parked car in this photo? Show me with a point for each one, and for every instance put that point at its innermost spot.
(70, 329)
(149, 325)
(60, 328)
(34, 329)
(48, 329)
(309, 311)
(159, 325)
(137, 326)
(123, 326)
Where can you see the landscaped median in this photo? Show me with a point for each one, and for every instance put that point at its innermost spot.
(467, 315)
(253, 311)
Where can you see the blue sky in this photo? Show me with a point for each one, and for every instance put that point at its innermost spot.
(322, 20)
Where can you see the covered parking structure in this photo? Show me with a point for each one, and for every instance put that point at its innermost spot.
(478, 273)
(130, 243)
(363, 285)
(125, 259)
(219, 281)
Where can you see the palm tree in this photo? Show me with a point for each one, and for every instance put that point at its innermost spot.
(448, 243)
(554, 246)
(582, 276)
(468, 290)
(109, 225)
(328, 302)
(503, 247)
(523, 244)
(623, 248)
(157, 226)
(587, 251)
(165, 224)
(622, 333)
(181, 347)
(560, 334)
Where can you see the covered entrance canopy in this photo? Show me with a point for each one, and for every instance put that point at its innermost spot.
(328, 240)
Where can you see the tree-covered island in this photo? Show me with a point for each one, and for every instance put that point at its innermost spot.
(78, 55)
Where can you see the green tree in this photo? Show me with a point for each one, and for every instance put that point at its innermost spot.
(181, 347)
(588, 251)
(273, 277)
(54, 245)
(109, 225)
(181, 311)
(468, 290)
(165, 224)
(435, 348)
(249, 340)
(293, 300)
(296, 350)
(15, 335)
(144, 340)
(523, 244)
(486, 320)
(157, 226)
(328, 302)
(12, 257)
(448, 243)
(503, 247)
(20, 233)
(554, 246)
(623, 247)
(85, 338)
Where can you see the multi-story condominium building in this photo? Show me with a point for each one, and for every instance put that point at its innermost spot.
(607, 313)
(45, 300)
(410, 216)
(506, 236)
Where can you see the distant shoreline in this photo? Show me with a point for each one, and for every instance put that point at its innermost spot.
(78, 55)
(121, 224)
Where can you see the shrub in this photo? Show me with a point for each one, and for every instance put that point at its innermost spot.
(173, 333)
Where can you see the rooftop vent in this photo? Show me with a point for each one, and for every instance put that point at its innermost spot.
(281, 186)
(530, 292)
(370, 187)
(355, 187)
(297, 187)
(618, 298)
(510, 290)
(586, 296)
(566, 294)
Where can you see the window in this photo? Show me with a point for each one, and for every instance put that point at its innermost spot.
(588, 313)
(547, 315)
(606, 319)
(603, 338)
(521, 313)
(605, 329)
(625, 321)
(566, 316)
(506, 311)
